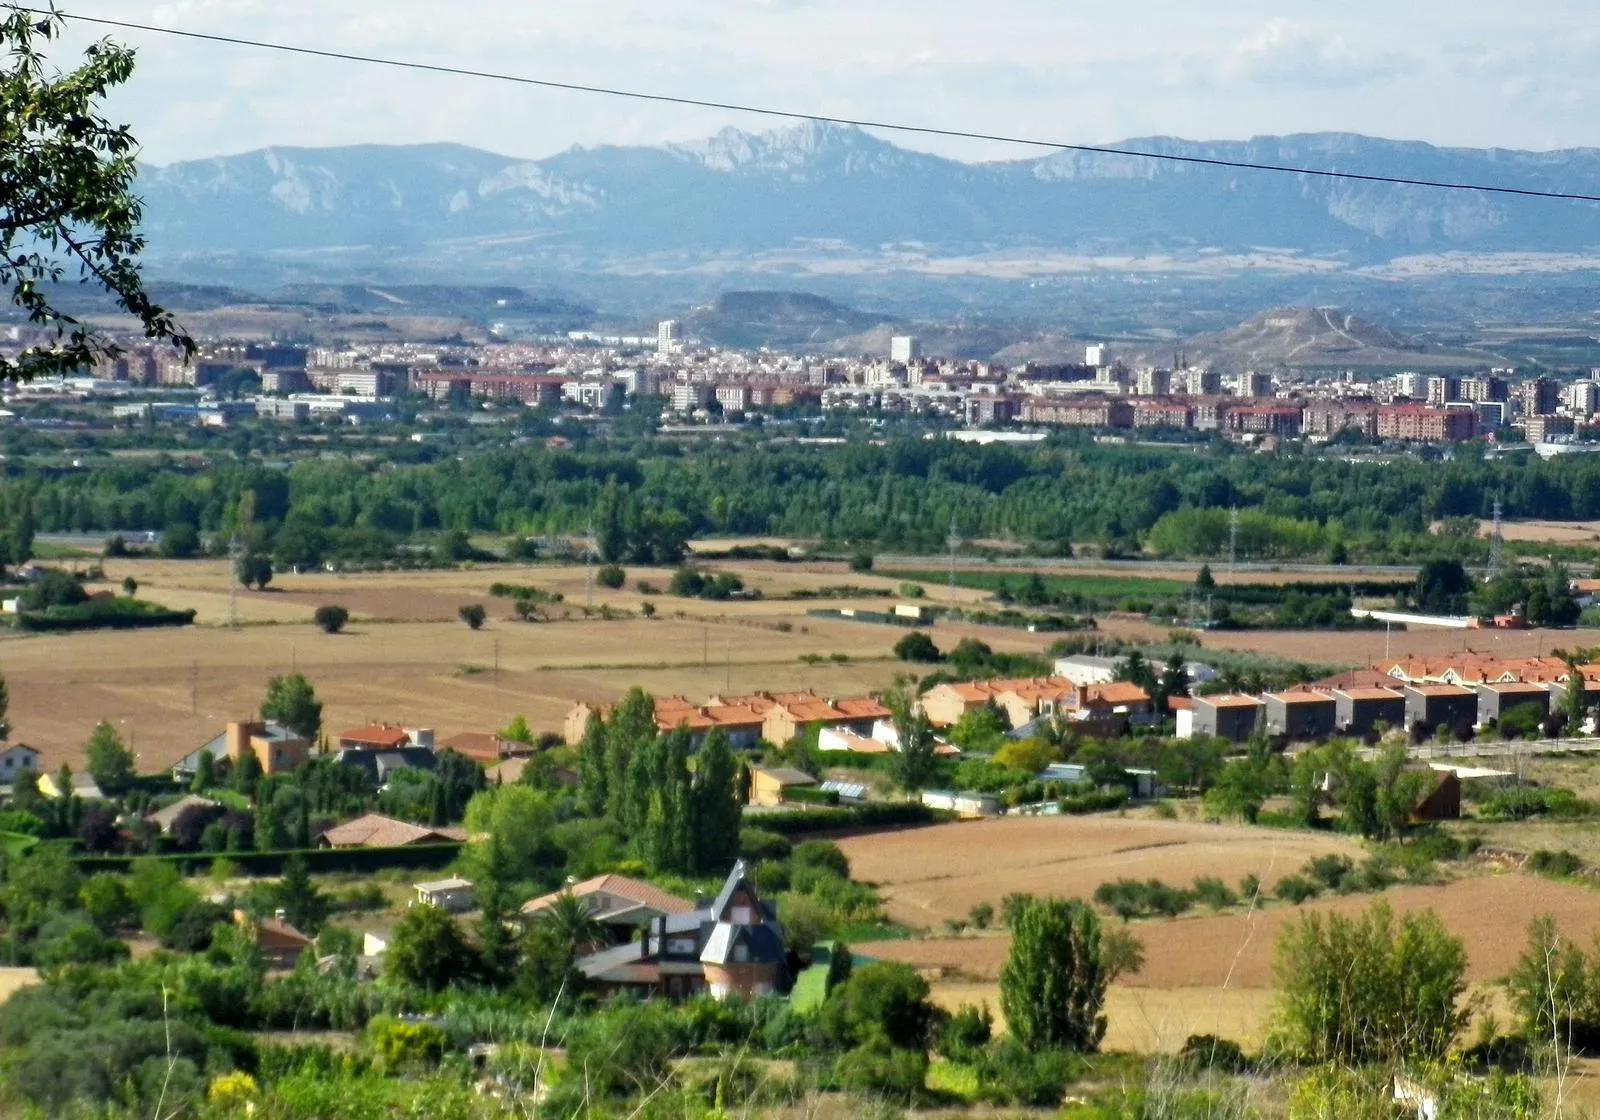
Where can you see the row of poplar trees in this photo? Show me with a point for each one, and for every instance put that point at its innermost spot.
(679, 808)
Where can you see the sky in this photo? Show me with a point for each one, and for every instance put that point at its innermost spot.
(1466, 72)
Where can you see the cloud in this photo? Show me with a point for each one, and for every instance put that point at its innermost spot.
(1288, 53)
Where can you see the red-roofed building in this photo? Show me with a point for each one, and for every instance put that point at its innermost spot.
(373, 737)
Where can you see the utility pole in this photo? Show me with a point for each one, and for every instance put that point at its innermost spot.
(954, 542)
(497, 664)
(589, 560)
(705, 648)
(1233, 538)
(194, 688)
(234, 546)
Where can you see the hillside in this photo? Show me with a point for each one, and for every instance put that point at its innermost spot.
(1301, 338)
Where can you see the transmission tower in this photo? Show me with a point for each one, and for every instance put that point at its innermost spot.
(1497, 545)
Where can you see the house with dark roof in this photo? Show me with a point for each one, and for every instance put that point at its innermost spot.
(1361, 708)
(1228, 716)
(1302, 716)
(1495, 700)
(731, 946)
(1431, 705)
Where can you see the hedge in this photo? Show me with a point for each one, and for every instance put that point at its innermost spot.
(104, 614)
(810, 795)
(891, 814)
(323, 860)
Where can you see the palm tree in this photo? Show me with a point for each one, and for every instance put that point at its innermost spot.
(570, 918)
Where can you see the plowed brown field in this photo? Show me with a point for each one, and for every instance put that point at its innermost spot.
(930, 875)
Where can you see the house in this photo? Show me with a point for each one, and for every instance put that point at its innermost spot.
(377, 831)
(620, 903)
(1230, 716)
(1359, 710)
(945, 704)
(964, 803)
(279, 942)
(732, 947)
(1442, 801)
(17, 759)
(277, 749)
(483, 746)
(1434, 704)
(769, 785)
(382, 737)
(1301, 716)
(1495, 700)
(166, 817)
(454, 895)
(792, 714)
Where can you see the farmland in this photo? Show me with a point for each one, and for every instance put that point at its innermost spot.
(932, 875)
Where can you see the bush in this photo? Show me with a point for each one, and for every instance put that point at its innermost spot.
(1334, 872)
(823, 855)
(880, 1000)
(966, 1033)
(759, 845)
(1129, 898)
(1295, 889)
(104, 614)
(1213, 892)
(917, 647)
(878, 1069)
(861, 562)
(1206, 1052)
(331, 618)
(405, 1046)
(1011, 1075)
(612, 576)
(1556, 864)
(472, 614)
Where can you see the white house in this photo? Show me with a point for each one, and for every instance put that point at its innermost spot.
(1081, 668)
(18, 759)
(454, 895)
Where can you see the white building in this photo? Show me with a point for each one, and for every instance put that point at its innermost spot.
(904, 348)
(18, 759)
(1583, 398)
(668, 339)
(1097, 355)
(1255, 385)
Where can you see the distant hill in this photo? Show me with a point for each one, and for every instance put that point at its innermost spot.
(791, 320)
(1302, 337)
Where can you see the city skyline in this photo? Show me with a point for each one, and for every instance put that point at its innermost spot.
(1490, 75)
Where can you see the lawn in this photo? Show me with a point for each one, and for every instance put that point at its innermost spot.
(15, 843)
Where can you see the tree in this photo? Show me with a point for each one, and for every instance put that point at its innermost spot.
(254, 569)
(1574, 701)
(5, 708)
(520, 817)
(912, 765)
(205, 773)
(1136, 670)
(517, 731)
(1368, 989)
(19, 538)
(1053, 985)
(1174, 678)
(291, 701)
(861, 561)
(110, 762)
(331, 618)
(67, 207)
(715, 809)
(981, 728)
(882, 1000)
(1204, 581)
(841, 963)
(1238, 792)
(572, 923)
(918, 647)
(304, 906)
(1555, 988)
(130, 586)
(472, 614)
(496, 908)
(427, 950)
(611, 575)
(179, 541)
(1442, 586)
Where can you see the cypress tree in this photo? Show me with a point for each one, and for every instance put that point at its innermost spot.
(716, 809)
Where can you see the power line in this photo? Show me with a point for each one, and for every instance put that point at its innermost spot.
(819, 118)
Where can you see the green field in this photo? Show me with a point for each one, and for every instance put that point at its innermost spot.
(1089, 587)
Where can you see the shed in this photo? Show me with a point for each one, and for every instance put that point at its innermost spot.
(1442, 801)
(769, 784)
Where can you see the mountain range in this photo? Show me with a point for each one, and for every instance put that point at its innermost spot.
(861, 215)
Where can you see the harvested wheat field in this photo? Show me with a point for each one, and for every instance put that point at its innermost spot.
(1490, 913)
(930, 875)
(407, 658)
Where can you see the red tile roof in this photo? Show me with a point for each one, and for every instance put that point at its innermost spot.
(375, 735)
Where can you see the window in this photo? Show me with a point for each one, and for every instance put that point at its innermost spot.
(741, 916)
(741, 954)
